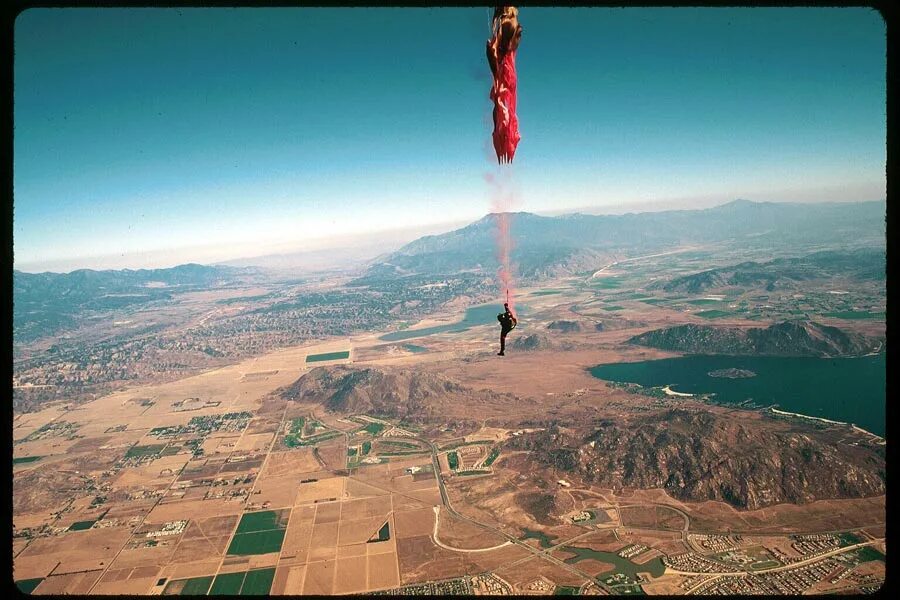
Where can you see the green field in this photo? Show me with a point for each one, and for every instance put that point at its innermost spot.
(259, 533)
(713, 314)
(374, 428)
(492, 457)
(351, 452)
(384, 534)
(473, 472)
(366, 447)
(260, 542)
(81, 525)
(654, 300)
(565, 590)
(867, 553)
(848, 539)
(26, 586)
(227, 584)
(453, 460)
(855, 314)
(260, 521)
(26, 459)
(258, 582)
(144, 450)
(328, 356)
(614, 307)
(546, 292)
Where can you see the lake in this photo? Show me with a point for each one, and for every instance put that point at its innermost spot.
(620, 565)
(483, 314)
(841, 389)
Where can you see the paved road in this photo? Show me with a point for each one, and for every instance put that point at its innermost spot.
(445, 498)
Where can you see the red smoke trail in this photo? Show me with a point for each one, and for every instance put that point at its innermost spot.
(503, 201)
(506, 33)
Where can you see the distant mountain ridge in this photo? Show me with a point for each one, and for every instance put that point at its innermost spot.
(789, 338)
(46, 302)
(864, 263)
(548, 246)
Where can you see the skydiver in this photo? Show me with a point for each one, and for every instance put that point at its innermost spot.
(508, 322)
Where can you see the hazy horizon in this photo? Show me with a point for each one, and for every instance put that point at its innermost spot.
(350, 250)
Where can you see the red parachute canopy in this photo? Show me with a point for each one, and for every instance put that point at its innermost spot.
(501, 55)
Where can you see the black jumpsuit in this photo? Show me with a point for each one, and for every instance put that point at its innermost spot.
(506, 325)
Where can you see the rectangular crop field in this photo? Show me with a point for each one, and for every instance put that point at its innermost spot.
(259, 533)
(259, 542)
(263, 520)
(328, 356)
(26, 459)
(712, 314)
(196, 586)
(258, 583)
(227, 584)
(144, 450)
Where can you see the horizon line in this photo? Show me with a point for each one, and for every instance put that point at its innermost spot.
(376, 238)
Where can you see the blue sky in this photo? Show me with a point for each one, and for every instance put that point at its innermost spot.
(169, 135)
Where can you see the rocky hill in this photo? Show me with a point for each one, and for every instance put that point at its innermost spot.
(537, 341)
(789, 338)
(407, 394)
(572, 326)
(697, 456)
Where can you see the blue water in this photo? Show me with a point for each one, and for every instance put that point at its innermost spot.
(483, 314)
(851, 390)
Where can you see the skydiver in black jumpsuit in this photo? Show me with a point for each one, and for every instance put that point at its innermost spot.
(507, 324)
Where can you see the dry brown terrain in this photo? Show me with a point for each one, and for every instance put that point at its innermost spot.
(110, 462)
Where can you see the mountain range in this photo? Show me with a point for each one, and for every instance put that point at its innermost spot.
(548, 246)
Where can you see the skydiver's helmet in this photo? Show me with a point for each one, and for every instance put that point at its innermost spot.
(507, 28)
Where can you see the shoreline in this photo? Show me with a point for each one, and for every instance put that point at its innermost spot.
(802, 416)
(670, 392)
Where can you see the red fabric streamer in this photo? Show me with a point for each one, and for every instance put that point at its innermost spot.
(501, 54)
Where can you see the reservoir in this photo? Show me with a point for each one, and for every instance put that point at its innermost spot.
(483, 314)
(851, 390)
